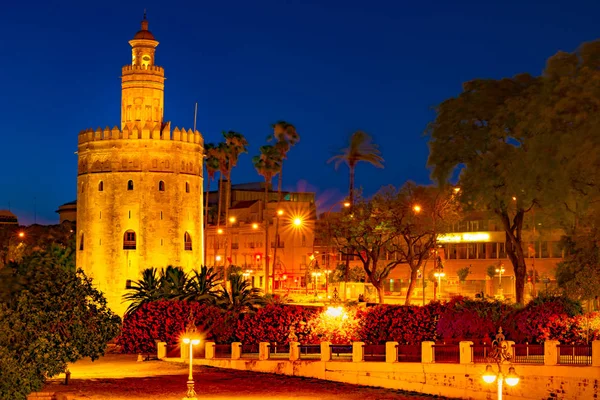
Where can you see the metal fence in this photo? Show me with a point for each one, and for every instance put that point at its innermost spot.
(374, 352)
(528, 353)
(310, 351)
(279, 350)
(249, 350)
(341, 352)
(446, 353)
(409, 352)
(480, 352)
(222, 350)
(574, 354)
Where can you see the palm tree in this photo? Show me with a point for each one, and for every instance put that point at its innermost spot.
(286, 136)
(173, 282)
(241, 297)
(212, 166)
(236, 144)
(222, 155)
(267, 164)
(143, 291)
(361, 148)
(202, 286)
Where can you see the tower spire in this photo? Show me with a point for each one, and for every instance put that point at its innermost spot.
(145, 22)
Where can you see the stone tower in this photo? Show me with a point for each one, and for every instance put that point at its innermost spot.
(139, 188)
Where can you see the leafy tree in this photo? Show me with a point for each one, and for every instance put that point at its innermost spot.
(360, 148)
(463, 273)
(579, 274)
(267, 164)
(524, 142)
(54, 317)
(491, 271)
(355, 274)
(239, 296)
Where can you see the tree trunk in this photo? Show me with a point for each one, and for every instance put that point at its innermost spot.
(514, 251)
(279, 179)
(380, 292)
(206, 220)
(219, 205)
(228, 248)
(351, 188)
(411, 285)
(266, 227)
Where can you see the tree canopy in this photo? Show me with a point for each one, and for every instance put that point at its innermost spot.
(522, 143)
(50, 315)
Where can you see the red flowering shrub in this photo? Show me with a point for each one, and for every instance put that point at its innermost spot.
(478, 320)
(166, 320)
(402, 324)
(272, 324)
(546, 319)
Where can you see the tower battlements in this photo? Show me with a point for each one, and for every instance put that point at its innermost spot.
(148, 131)
(132, 69)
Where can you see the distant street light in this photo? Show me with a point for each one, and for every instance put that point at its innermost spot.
(298, 222)
(500, 270)
(417, 208)
(439, 276)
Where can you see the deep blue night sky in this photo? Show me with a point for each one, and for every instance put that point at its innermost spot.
(329, 67)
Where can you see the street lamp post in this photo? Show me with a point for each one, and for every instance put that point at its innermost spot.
(500, 270)
(498, 355)
(316, 276)
(327, 272)
(192, 339)
(439, 275)
(21, 236)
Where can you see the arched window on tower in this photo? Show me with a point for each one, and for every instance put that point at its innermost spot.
(187, 187)
(130, 185)
(187, 240)
(101, 186)
(161, 186)
(129, 240)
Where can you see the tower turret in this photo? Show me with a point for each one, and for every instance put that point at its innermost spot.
(142, 82)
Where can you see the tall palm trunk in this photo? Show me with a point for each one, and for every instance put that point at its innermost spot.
(279, 183)
(206, 194)
(220, 198)
(228, 248)
(351, 199)
(266, 223)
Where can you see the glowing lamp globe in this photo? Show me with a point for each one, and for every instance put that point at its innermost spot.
(192, 341)
(511, 378)
(489, 376)
(335, 312)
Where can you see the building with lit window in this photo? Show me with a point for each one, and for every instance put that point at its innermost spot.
(240, 240)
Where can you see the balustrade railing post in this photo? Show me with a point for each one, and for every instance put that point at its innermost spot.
(596, 353)
(236, 350)
(161, 350)
(358, 351)
(209, 350)
(465, 352)
(325, 351)
(263, 351)
(427, 352)
(294, 351)
(391, 352)
(551, 352)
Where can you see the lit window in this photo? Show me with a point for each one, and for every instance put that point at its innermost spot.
(187, 187)
(161, 186)
(129, 242)
(187, 239)
(100, 186)
(129, 185)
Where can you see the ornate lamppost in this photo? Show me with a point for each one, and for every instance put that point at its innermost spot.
(498, 355)
(191, 338)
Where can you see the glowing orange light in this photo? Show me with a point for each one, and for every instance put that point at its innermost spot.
(417, 208)
(220, 231)
(279, 212)
(21, 234)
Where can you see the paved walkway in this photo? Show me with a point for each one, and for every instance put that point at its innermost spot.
(120, 377)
